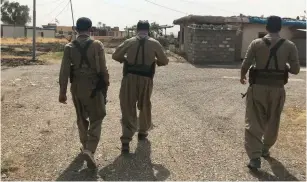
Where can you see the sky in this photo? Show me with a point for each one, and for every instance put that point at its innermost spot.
(124, 13)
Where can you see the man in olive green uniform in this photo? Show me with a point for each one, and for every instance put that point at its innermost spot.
(139, 55)
(274, 58)
(83, 59)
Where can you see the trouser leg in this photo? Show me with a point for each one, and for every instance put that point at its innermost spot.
(144, 105)
(275, 109)
(97, 112)
(82, 122)
(127, 97)
(255, 119)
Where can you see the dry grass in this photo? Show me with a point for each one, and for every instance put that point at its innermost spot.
(292, 134)
(295, 116)
(13, 60)
(23, 41)
(7, 56)
(51, 57)
(8, 166)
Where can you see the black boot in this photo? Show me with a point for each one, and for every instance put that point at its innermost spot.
(142, 136)
(265, 153)
(125, 148)
(254, 164)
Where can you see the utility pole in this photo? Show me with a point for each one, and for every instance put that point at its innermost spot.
(34, 31)
(72, 14)
(73, 36)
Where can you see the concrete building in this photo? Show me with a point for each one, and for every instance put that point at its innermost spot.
(12, 31)
(255, 28)
(225, 39)
(117, 34)
(64, 30)
(40, 32)
(209, 38)
(50, 26)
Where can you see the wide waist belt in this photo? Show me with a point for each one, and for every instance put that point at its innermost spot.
(141, 70)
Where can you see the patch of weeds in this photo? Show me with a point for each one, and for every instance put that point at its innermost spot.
(51, 57)
(15, 61)
(7, 166)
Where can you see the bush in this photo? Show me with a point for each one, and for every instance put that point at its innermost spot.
(163, 41)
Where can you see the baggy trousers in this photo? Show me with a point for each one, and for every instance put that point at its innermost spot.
(135, 92)
(264, 105)
(90, 113)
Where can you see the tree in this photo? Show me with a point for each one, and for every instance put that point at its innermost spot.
(155, 28)
(14, 13)
(99, 25)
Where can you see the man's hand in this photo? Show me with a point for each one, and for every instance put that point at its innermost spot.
(63, 98)
(243, 80)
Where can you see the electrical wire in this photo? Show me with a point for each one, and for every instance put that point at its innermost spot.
(62, 10)
(47, 3)
(48, 14)
(136, 10)
(209, 5)
(166, 7)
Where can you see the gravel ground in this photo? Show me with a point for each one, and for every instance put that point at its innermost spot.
(198, 131)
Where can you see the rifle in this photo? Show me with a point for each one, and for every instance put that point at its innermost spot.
(71, 74)
(100, 86)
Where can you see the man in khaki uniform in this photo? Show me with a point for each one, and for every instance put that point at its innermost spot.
(83, 59)
(139, 55)
(274, 58)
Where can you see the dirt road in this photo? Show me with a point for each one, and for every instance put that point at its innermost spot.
(198, 117)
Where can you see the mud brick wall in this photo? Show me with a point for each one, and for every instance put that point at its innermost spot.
(210, 46)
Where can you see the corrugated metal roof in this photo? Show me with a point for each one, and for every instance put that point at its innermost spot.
(209, 20)
(234, 19)
(286, 22)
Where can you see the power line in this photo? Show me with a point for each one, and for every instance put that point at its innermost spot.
(55, 8)
(208, 5)
(166, 7)
(47, 3)
(62, 10)
(137, 10)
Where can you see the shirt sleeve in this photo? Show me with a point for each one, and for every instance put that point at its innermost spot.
(294, 60)
(162, 59)
(65, 70)
(249, 58)
(103, 63)
(120, 52)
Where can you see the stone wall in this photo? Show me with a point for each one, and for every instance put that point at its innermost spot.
(210, 46)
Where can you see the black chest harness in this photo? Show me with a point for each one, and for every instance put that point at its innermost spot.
(84, 59)
(84, 63)
(266, 76)
(139, 69)
(83, 50)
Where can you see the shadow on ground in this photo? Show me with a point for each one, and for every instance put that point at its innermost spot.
(234, 65)
(135, 167)
(76, 172)
(279, 171)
